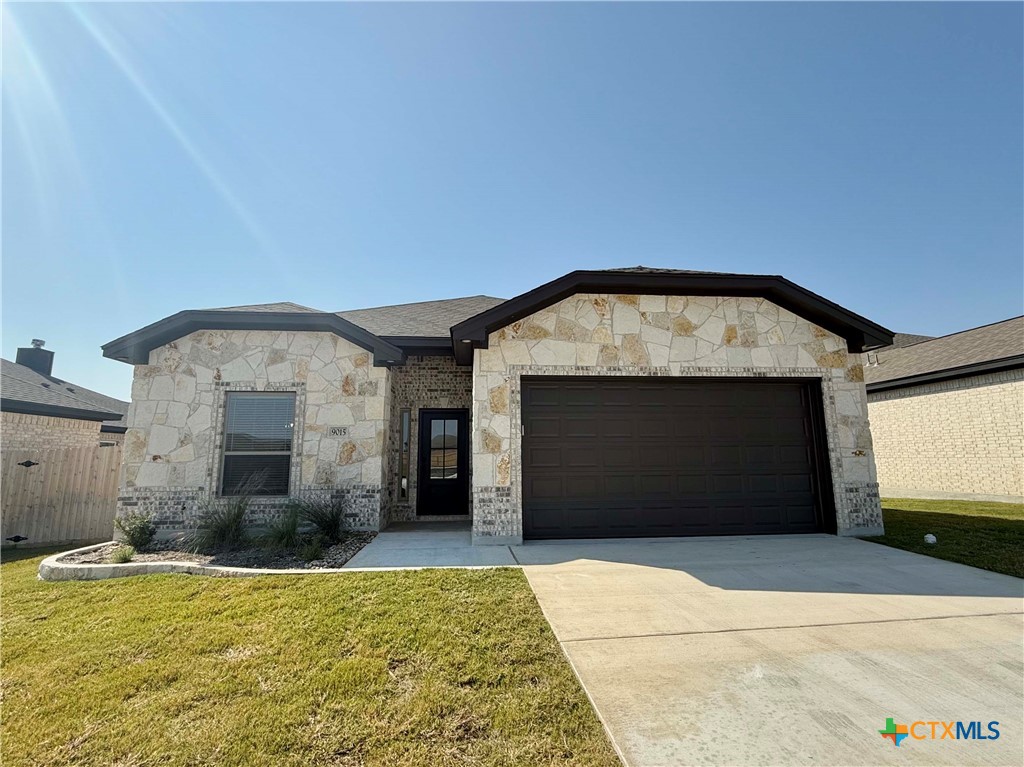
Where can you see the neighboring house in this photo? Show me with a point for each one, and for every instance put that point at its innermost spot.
(41, 411)
(947, 415)
(623, 402)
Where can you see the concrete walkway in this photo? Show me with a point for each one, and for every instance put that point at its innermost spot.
(784, 650)
(428, 544)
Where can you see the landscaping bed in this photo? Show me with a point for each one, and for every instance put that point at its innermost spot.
(253, 555)
(981, 534)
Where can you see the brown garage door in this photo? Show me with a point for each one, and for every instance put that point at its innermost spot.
(620, 457)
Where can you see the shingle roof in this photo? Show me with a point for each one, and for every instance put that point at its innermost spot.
(281, 306)
(660, 270)
(425, 318)
(968, 347)
(20, 384)
(906, 339)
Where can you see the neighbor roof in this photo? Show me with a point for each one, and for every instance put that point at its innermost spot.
(23, 390)
(906, 339)
(999, 346)
(860, 333)
(422, 319)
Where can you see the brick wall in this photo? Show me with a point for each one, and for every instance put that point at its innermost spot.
(952, 439)
(423, 382)
(37, 432)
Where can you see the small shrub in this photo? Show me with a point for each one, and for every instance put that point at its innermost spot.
(138, 529)
(222, 520)
(122, 554)
(312, 549)
(327, 515)
(284, 532)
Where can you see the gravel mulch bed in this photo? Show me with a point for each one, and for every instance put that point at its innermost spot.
(252, 556)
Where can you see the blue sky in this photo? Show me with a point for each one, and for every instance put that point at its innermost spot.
(161, 157)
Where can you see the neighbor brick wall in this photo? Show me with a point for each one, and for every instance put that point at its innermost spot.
(38, 432)
(960, 438)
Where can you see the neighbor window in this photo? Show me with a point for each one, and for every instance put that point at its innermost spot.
(403, 487)
(258, 443)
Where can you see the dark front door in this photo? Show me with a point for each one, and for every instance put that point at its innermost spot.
(619, 457)
(443, 485)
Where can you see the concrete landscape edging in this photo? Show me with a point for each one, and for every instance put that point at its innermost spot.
(52, 569)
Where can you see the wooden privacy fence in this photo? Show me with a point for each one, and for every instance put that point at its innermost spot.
(59, 495)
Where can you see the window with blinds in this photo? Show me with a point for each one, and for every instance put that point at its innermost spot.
(258, 442)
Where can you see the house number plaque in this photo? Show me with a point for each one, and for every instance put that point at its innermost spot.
(337, 431)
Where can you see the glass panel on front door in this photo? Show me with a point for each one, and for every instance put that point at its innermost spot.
(444, 443)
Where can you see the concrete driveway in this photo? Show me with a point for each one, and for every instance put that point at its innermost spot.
(785, 650)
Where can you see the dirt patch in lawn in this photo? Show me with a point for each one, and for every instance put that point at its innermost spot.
(255, 556)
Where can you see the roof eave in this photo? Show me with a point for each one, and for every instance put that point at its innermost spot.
(860, 333)
(948, 374)
(56, 411)
(134, 348)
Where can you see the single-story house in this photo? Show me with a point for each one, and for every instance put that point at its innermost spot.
(620, 402)
(947, 414)
(41, 411)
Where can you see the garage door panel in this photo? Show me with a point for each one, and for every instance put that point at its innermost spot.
(618, 427)
(801, 515)
(584, 486)
(773, 515)
(544, 457)
(541, 395)
(619, 456)
(581, 427)
(584, 457)
(634, 457)
(763, 483)
(654, 485)
(544, 426)
(725, 456)
(620, 486)
(542, 488)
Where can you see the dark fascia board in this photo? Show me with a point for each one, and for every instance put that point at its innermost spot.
(964, 371)
(423, 346)
(860, 333)
(134, 348)
(110, 429)
(56, 411)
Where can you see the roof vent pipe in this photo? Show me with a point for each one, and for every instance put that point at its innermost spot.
(36, 357)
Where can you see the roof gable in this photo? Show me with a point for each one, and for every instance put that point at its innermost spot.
(859, 332)
(134, 348)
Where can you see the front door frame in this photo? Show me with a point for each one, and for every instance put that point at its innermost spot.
(442, 500)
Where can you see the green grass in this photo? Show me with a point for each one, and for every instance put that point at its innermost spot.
(436, 667)
(985, 535)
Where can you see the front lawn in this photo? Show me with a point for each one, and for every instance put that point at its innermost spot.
(985, 535)
(436, 667)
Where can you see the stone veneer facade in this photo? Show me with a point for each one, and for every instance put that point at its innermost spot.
(173, 448)
(961, 439)
(640, 335)
(175, 435)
